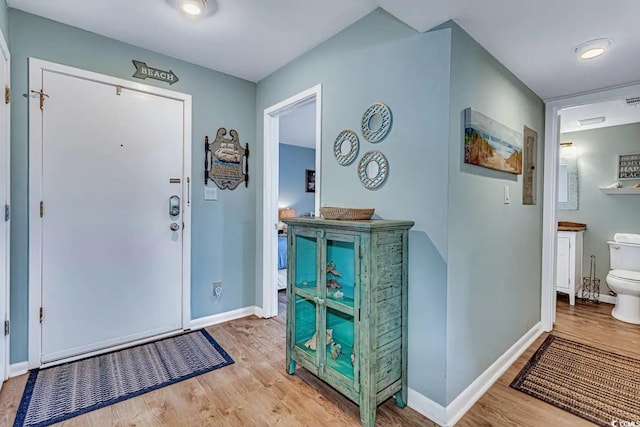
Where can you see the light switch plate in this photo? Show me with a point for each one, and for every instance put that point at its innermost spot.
(210, 193)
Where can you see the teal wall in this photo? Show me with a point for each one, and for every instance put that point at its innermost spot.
(294, 161)
(604, 214)
(223, 232)
(494, 268)
(4, 19)
(381, 59)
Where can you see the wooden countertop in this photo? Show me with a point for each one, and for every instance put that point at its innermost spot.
(571, 226)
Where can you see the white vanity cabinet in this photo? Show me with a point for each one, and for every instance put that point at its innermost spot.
(569, 263)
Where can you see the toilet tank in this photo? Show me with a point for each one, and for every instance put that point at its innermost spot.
(624, 256)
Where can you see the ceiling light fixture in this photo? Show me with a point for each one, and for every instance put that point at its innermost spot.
(193, 7)
(592, 48)
(592, 121)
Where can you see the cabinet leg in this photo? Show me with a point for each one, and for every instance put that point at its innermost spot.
(368, 409)
(401, 398)
(292, 367)
(572, 299)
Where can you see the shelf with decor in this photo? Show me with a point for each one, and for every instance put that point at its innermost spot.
(623, 190)
(347, 307)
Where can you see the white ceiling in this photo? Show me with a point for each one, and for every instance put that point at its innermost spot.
(249, 39)
(615, 112)
(298, 127)
(253, 38)
(535, 39)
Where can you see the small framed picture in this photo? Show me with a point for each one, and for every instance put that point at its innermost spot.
(310, 181)
(629, 166)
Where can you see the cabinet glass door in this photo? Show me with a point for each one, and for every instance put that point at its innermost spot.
(341, 301)
(304, 284)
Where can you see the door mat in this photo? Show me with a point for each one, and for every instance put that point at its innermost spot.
(66, 391)
(594, 384)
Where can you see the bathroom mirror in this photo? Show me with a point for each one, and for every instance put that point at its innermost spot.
(568, 184)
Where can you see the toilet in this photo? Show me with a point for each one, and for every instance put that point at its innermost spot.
(624, 277)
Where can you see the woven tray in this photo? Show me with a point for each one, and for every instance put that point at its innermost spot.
(346, 213)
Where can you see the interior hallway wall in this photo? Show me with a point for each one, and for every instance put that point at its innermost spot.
(495, 250)
(380, 59)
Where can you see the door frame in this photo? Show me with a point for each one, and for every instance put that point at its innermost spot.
(6, 59)
(551, 171)
(36, 67)
(270, 190)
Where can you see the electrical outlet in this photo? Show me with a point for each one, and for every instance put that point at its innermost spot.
(217, 288)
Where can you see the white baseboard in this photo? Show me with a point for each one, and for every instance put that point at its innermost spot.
(203, 322)
(259, 312)
(448, 416)
(608, 298)
(17, 369)
(427, 407)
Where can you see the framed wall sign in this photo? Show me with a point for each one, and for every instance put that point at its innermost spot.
(629, 166)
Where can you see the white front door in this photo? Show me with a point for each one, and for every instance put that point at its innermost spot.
(111, 250)
(4, 204)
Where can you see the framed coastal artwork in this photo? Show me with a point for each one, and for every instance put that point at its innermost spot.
(490, 144)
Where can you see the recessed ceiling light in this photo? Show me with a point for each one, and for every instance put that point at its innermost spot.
(592, 48)
(592, 121)
(193, 7)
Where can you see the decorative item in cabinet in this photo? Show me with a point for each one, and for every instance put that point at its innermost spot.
(347, 307)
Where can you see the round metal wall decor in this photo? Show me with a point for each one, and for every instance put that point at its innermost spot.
(380, 160)
(376, 122)
(346, 137)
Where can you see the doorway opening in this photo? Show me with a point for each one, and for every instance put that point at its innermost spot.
(292, 162)
(581, 160)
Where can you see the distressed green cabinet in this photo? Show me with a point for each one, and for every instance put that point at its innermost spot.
(347, 307)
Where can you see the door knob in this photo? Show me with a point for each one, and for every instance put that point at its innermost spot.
(174, 226)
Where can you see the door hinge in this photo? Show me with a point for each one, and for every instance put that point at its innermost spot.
(42, 95)
(41, 314)
(7, 94)
(7, 328)
(7, 212)
(41, 208)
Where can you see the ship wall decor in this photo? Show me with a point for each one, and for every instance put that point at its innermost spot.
(226, 161)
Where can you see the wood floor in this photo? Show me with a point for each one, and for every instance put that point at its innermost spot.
(256, 391)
